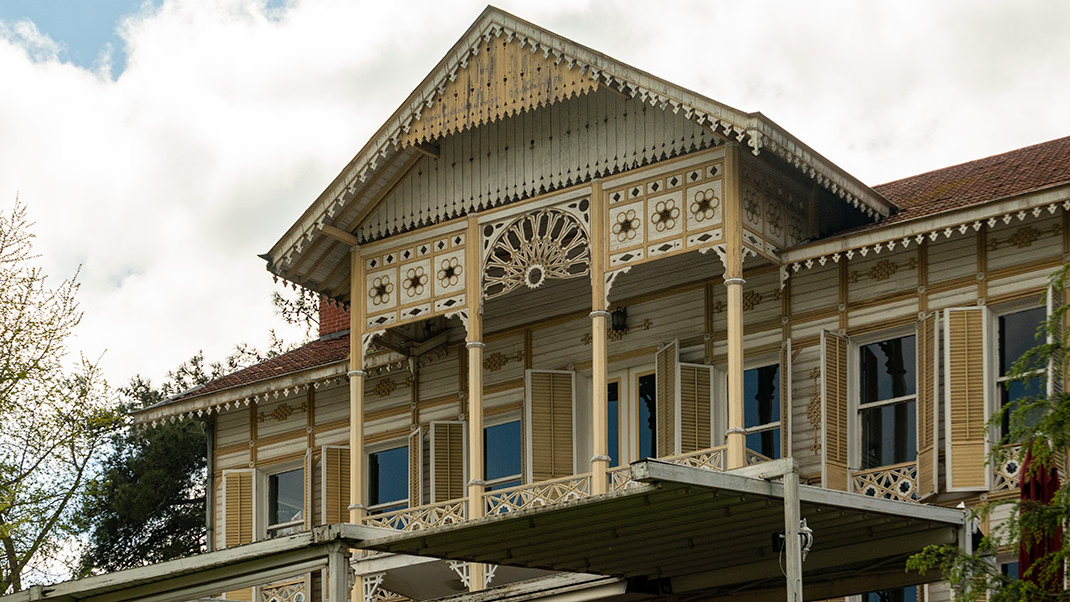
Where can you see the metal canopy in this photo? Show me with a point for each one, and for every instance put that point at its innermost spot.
(688, 530)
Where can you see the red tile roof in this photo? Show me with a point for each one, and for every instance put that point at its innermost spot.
(996, 177)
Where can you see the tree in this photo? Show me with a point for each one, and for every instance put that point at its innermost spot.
(55, 417)
(147, 504)
(1042, 423)
(301, 309)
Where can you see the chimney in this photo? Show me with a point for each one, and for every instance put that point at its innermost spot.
(333, 317)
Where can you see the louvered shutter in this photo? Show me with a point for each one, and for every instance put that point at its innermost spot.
(695, 405)
(238, 516)
(335, 466)
(1056, 366)
(834, 361)
(416, 467)
(447, 460)
(785, 399)
(667, 375)
(966, 382)
(926, 407)
(549, 423)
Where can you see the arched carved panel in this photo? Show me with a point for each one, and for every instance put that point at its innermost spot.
(545, 244)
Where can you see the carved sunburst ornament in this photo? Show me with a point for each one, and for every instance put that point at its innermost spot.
(537, 247)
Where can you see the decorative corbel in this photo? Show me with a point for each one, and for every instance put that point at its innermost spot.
(611, 277)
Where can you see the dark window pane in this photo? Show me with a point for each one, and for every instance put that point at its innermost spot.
(1012, 391)
(503, 485)
(501, 450)
(648, 435)
(888, 435)
(286, 496)
(613, 424)
(902, 594)
(761, 396)
(766, 443)
(1018, 334)
(887, 369)
(388, 475)
(1009, 569)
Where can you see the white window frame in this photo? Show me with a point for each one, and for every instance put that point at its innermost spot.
(995, 387)
(261, 490)
(762, 362)
(854, 396)
(525, 451)
(381, 447)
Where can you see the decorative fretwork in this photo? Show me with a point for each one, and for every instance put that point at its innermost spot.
(371, 586)
(282, 412)
(751, 300)
(415, 281)
(463, 570)
(620, 478)
(547, 244)
(497, 360)
(381, 290)
(537, 494)
(896, 482)
(813, 409)
(883, 270)
(774, 210)
(1023, 237)
(1008, 472)
(617, 334)
(386, 386)
(289, 591)
(709, 459)
(421, 517)
(754, 457)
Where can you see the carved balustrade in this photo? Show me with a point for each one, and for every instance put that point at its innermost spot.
(537, 494)
(421, 517)
(895, 482)
(293, 590)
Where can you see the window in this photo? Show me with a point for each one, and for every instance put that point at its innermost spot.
(646, 402)
(613, 423)
(886, 402)
(286, 502)
(501, 455)
(899, 594)
(761, 409)
(1017, 334)
(388, 479)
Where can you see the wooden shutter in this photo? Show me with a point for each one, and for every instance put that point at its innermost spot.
(238, 516)
(549, 423)
(966, 404)
(785, 399)
(667, 375)
(1056, 366)
(416, 467)
(335, 467)
(447, 460)
(926, 407)
(834, 362)
(696, 402)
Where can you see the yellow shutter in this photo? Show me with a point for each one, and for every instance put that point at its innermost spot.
(926, 405)
(238, 516)
(335, 464)
(966, 407)
(447, 460)
(667, 375)
(785, 399)
(416, 467)
(834, 349)
(549, 414)
(695, 406)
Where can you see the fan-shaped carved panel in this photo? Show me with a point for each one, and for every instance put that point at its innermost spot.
(545, 244)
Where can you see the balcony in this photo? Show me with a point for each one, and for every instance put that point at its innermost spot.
(895, 482)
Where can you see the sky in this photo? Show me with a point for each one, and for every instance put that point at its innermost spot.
(161, 145)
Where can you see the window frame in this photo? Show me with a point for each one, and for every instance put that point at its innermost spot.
(994, 403)
(497, 420)
(754, 364)
(855, 407)
(390, 444)
(262, 492)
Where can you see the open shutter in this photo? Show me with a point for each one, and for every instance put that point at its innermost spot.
(834, 361)
(416, 467)
(785, 399)
(928, 365)
(238, 516)
(335, 463)
(447, 460)
(965, 403)
(667, 375)
(549, 423)
(696, 403)
(1056, 367)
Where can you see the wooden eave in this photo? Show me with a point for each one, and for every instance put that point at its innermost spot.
(308, 257)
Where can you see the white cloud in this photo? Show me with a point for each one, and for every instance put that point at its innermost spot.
(229, 119)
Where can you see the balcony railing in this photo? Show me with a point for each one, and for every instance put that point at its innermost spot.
(895, 482)
(537, 494)
(421, 517)
(293, 590)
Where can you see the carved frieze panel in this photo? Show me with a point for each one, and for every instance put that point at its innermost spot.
(543, 244)
(664, 214)
(415, 281)
(774, 210)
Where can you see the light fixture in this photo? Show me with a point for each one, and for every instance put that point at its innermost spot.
(619, 319)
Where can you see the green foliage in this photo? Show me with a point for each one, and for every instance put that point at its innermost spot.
(1042, 424)
(56, 417)
(302, 309)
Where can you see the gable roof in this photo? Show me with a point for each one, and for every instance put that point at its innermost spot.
(568, 70)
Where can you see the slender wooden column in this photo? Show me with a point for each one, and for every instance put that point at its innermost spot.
(356, 387)
(733, 280)
(474, 299)
(599, 352)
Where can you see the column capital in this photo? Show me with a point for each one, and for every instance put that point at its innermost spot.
(729, 281)
(475, 345)
(599, 313)
(353, 373)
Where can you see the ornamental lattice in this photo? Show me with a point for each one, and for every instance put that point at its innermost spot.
(547, 244)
